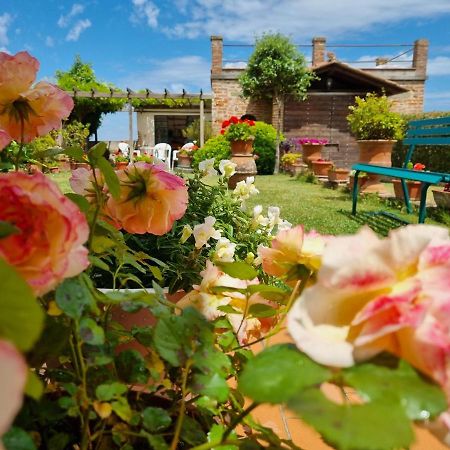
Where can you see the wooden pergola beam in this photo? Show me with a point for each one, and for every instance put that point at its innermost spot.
(129, 94)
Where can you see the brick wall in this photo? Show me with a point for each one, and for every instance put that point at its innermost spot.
(227, 101)
(323, 116)
(410, 102)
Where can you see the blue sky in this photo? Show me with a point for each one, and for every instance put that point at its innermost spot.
(165, 44)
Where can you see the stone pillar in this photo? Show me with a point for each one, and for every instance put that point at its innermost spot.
(146, 129)
(216, 55)
(381, 61)
(318, 50)
(420, 57)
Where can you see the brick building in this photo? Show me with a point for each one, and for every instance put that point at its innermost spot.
(323, 113)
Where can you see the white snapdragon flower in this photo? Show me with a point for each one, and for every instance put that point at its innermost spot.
(227, 168)
(224, 250)
(186, 233)
(207, 167)
(244, 189)
(205, 231)
(284, 225)
(258, 219)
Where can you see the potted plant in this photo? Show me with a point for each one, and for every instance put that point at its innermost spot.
(376, 129)
(185, 155)
(53, 167)
(143, 158)
(362, 178)
(442, 198)
(121, 162)
(321, 167)
(289, 160)
(311, 149)
(336, 174)
(414, 187)
(240, 133)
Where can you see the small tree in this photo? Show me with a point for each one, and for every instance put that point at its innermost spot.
(88, 111)
(275, 70)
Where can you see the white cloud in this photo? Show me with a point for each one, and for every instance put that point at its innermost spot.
(49, 41)
(145, 10)
(242, 20)
(64, 20)
(235, 65)
(440, 65)
(5, 21)
(77, 29)
(188, 72)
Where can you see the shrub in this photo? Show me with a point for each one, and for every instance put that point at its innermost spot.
(371, 118)
(265, 147)
(192, 131)
(217, 147)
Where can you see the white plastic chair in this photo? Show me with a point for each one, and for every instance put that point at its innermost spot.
(174, 158)
(163, 152)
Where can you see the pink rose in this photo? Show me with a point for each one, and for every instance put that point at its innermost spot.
(151, 199)
(25, 111)
(52, 231)
(375, 295)
(290, 248)
(13, 375)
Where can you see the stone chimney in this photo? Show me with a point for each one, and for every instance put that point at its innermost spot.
(216, 55)
(420, 57)
(318, 51)
(381, 61)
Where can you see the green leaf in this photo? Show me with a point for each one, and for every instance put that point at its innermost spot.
(379, 425)
(111, 179)
(34, 387)
(260, 310)
(131, 367)
(213, 386)
(73, 297)
(18, 439)
(191, 432)
(277, 374)
(97, 262)
(21, 317)
(228, 309)
(107, 392)
(97, 150)
(421, 398)
(79, 200)
(6, 229)
(273, 293)
(122, 408)
(156, 442)
(238, 269)
(75, 153)
(155, 419)
(156, 272)
(215, 435)
(90, 332)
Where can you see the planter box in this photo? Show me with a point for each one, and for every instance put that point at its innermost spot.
(442, 198)
(414, 188)
(311, 152)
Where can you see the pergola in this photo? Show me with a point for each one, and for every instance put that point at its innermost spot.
(147, 94)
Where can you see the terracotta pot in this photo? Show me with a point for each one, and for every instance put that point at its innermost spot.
(414, 188)
(321, 168)
(442, 198)
(361, 182)
(121, 165)
(338, 174)
(311, 152)
(54, 169)
(245, 167)
(184, 161)
(376, 152)
(241, 147)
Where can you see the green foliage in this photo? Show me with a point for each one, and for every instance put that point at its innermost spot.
(217, 147)
(275, 68)
(290, 158)
(371, 118)
(88, 111)
(75, 134)
(264, 146)
(192, 131)
(21, 318)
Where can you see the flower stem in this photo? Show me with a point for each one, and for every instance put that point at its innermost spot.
(180, 418)
(237, 420)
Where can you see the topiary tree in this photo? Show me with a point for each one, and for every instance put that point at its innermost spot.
(88, 111)
(275, 70)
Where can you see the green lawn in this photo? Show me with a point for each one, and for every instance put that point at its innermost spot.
(313, 205)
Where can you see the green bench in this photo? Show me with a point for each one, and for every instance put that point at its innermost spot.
(420, 132)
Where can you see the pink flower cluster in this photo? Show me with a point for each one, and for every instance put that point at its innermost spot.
(311, 141)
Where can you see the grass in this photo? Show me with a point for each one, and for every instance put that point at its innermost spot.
(316, 207)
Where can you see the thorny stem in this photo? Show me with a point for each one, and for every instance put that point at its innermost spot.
(180, 418)
(237, 420)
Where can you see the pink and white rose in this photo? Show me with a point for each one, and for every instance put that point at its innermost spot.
(52, 231)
